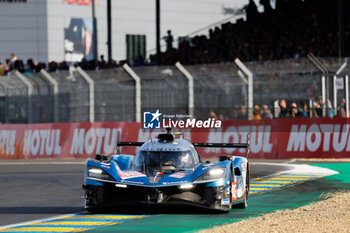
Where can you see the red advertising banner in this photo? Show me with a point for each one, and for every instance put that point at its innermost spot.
(314, 138)
(270, 139)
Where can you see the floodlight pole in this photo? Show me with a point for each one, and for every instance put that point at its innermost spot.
(109, 30)
(158, 55)
(94, 36)
(341, 51)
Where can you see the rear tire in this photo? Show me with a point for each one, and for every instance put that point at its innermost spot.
(244, 204)
(231, 202)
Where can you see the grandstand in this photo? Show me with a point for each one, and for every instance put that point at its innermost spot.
(292, 30)
(273, 44)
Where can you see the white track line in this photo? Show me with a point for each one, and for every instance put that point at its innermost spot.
(300, 168)
(290, 161)
(36, 220)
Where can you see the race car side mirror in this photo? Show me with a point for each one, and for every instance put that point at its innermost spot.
(100, 157)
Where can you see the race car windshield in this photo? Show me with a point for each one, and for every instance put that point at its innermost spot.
(163, 160)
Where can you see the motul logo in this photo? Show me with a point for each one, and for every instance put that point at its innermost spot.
(319, 136)
(7, 141)
(260, 138)
(43, 141)
(94, 141)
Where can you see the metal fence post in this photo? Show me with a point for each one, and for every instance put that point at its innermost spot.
(347, 95)
(30, 94)
(137, 80)
(323, 87)
(276, 108)
(90, 81)
(55, 93)
(335, 90)
(335, 95)
(324, 81)
(189, 77)
(311, 108)
(249, 74)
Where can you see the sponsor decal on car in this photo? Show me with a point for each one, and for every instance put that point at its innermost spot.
(234, 191)
(173, 183)
(178, 175)
(156, 175)
(225, 201)
(131, 174)
(132, 182)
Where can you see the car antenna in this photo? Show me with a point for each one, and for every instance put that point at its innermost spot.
(118, 141)
(248, 145)
(150, 138)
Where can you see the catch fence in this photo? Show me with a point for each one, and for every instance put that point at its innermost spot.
(218, 89)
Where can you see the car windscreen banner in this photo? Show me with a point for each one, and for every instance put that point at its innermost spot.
(270, 139)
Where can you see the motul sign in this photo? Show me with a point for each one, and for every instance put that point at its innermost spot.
(327, 136)
(270, 139)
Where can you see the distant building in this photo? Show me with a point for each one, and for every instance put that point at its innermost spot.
(48, 30)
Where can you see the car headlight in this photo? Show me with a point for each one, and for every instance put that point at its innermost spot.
(213, 174)
(94, 172)
(216, 172)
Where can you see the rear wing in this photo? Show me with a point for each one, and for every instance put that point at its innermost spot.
(195, 144)
(221, 145)
(120, 144)
(226, 145)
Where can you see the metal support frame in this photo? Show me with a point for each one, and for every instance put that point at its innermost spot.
(311, 108)
(347, 95)
(30, 94)
(323, 88)
(137, 80)
(249, 75)
(335, 100)
(189, 77)
(324, 81)
(6, 86)
(90, 81)
(276, 107)
(55, 92)
(335, 105)
(241, 75)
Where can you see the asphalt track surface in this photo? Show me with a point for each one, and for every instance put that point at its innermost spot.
(35, 190)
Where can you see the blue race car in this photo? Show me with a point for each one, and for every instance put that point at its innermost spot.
(167, 171)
